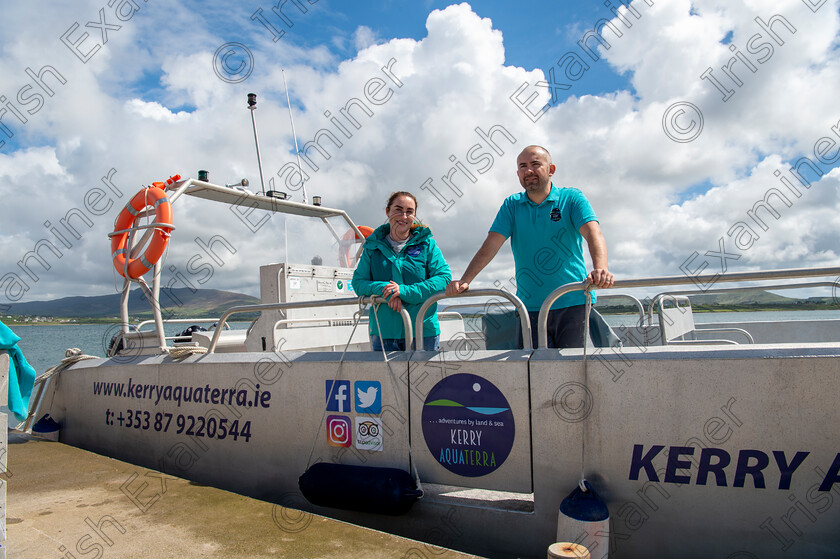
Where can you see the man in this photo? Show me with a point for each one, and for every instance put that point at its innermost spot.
(546, 225)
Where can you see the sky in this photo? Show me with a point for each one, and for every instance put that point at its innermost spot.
(706, 133)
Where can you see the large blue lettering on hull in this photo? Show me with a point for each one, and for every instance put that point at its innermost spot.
(718, 464)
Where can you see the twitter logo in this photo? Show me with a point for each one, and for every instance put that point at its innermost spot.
(368, 396)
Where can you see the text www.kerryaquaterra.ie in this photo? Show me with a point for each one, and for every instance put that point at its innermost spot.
(241, 397)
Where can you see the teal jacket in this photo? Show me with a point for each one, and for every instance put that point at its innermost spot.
(419, 269)
(21, 374)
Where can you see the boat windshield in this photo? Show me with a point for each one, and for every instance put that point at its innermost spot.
(309, 234)
(322, 242)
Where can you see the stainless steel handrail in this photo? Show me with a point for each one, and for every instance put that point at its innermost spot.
(200, 189)
(176, 321)
(153, 225)
(172, 321)
(542, 334)
(678, 300)
(406, 318)
(656, 298)
(520, 306)
(448, 315)
(330, 321)
(626, 296)
(449, 308)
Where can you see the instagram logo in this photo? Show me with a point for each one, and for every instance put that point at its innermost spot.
(338, 430)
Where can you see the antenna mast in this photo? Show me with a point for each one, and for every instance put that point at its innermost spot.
(252, 106)
(294, 135)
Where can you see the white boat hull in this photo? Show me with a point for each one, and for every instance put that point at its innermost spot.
(698, 452)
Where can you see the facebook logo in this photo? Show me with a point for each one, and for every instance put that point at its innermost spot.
(338, 396)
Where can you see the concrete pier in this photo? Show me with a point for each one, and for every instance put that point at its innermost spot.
(68, 503)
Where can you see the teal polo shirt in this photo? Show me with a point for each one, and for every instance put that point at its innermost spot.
(547, 244)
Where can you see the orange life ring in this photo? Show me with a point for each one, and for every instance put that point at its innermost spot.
(349, 241)
(151, 196)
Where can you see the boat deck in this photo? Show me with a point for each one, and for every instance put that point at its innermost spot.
(66, 502)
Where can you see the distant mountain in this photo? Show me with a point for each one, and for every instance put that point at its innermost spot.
(176, 302)
(741, 298)
(758, 298)
(184, 303)
(751, 298)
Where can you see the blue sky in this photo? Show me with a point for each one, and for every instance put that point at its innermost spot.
(533, 39)
(626, 131)
(533, 36)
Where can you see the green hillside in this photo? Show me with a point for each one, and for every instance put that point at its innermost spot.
(175, 303)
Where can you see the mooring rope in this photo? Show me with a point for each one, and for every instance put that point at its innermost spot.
(71, 356)
(581, 483)
(178, 353)
(397, 398)
(357, 316)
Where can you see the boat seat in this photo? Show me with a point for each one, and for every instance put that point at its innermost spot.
(676, 325)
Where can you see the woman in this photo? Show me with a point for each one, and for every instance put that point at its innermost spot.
(402, 263)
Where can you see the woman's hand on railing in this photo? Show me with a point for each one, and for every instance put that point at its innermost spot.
(391, 293)
(392, 289)
(395, 303)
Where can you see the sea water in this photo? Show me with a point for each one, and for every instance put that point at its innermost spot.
(616, 320)
(746, 316)
(44, 346)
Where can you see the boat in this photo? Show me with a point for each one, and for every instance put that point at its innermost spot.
(702, 443)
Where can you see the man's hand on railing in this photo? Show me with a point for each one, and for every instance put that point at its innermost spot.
(455, 287)
(600, 278)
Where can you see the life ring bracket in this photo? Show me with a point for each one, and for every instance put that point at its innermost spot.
(152, 196)
(153, 225)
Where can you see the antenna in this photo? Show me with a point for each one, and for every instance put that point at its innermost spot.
(297, 151)
(252, 106)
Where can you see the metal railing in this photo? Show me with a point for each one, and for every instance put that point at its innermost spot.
(638, 304)
(449, 315)
(682, 304)
(319, 322)
(520, 306)
(542, 334)
(175, 321)
(223, 194)
(654, 302)
(374, 300)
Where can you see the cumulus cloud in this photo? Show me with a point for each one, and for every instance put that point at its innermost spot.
(363, 37)
(154, 111)
(434, 116)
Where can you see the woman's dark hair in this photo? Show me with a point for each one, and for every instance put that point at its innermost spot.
(399, 193)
